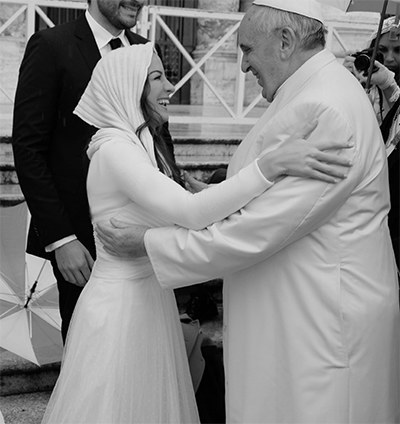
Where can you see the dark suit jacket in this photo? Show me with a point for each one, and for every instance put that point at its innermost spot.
(394, 183)
(48, 140)
(394, 215)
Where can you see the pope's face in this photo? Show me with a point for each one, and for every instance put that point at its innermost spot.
(116, 15)
(159, 88)
(261, 57)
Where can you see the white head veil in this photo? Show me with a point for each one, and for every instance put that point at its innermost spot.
(111, 101)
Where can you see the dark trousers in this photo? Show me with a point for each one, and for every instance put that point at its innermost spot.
(68, 294)
(210, 395)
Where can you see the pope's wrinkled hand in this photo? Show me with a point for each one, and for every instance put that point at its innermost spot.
(121, 239)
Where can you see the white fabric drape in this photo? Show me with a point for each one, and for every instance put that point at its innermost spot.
(111, 101)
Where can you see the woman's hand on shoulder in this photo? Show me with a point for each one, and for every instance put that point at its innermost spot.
(299, 158)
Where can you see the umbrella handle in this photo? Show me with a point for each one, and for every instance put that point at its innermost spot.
(376, 46)
(32, 290)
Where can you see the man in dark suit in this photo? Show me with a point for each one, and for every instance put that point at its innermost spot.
(49, 141)
(394, 215)
(388, 128)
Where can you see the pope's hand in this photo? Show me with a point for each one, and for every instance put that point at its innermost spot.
(120, 239)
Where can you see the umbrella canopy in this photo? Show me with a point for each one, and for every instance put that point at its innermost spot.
(342, 5)
(29, 317)
(373, 6)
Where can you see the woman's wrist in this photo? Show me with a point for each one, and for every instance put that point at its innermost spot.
(392, 93)
(270, 165)
(389, 87)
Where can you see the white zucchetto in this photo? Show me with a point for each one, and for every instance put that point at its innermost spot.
(309, 8)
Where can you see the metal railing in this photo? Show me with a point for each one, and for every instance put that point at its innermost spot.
(152, 19)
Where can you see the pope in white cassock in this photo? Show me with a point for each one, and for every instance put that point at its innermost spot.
(311, 304)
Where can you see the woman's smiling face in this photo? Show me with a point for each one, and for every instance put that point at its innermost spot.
(159, 88)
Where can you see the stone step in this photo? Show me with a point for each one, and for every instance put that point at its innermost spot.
(191, 153)
(201, 170)
(21, 376)
(198, 167)
(190, 150)
(26, 408)
(6, 153)
(199, 157)
(10, 195)
(7, 172)
(209, 149)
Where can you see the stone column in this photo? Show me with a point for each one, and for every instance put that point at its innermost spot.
(220, 68)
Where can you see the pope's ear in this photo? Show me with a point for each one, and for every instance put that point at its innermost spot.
(288, 42)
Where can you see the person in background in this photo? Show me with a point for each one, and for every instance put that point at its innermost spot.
(386, 78)
(311, 311)
(49, 141)
(390, 129)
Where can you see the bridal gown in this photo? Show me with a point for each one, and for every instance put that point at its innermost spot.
(125, 359)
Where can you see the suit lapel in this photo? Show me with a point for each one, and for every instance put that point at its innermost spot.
(134, 38)
(86, 43)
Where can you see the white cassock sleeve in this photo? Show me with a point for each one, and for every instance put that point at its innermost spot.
(129, 167)
(289, 210)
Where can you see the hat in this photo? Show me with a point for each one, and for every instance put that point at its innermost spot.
(309, 8)
(389, 24)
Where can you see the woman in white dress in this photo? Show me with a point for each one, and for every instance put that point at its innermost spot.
(125, 359)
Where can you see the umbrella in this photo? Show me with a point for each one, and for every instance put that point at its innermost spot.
(373, 6)
(29, 315)
(342, 5)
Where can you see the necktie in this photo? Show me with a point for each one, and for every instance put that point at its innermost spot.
(115, 43)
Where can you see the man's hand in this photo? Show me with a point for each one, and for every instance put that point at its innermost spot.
(74, 262)
(122, 240)
(193, 185)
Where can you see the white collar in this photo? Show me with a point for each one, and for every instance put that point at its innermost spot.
(101, 35)
(306, 71)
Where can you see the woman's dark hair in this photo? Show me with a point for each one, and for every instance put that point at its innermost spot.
(153, 121)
